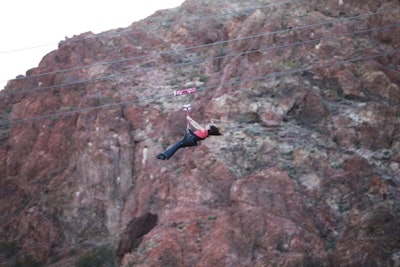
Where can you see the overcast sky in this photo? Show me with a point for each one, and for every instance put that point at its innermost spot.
(30, 29)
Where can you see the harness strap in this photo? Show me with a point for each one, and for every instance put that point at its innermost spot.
(187, 108)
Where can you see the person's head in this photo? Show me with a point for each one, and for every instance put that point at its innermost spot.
(213, 130)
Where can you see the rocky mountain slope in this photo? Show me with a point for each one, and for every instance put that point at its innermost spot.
(306, 173)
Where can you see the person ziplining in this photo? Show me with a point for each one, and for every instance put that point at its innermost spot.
(192, 136)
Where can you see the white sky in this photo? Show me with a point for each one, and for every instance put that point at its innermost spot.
(25, 24)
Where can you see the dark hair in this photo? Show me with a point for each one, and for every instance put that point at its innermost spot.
(214, 130)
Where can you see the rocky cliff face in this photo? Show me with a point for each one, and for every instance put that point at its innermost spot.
(307, 172)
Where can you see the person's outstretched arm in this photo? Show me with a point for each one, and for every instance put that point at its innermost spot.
(195, 124)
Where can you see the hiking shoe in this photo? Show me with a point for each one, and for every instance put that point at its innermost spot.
(161, 156)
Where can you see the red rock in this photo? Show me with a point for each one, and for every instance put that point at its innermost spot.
(305, 173)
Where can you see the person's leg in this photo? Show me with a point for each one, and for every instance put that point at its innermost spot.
(170, 151)
(187, 141)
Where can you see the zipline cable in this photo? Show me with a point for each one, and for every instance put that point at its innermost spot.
(272, 75)
(209, 44)
(162, 53)
(180, 65)
(294, 71)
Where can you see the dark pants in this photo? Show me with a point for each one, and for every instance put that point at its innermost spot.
(190, 139)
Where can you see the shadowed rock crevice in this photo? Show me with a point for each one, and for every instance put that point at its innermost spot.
(134, 232)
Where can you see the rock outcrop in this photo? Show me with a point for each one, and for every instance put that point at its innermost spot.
(306, 173)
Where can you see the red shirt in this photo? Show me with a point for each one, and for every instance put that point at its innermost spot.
(201, 134)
